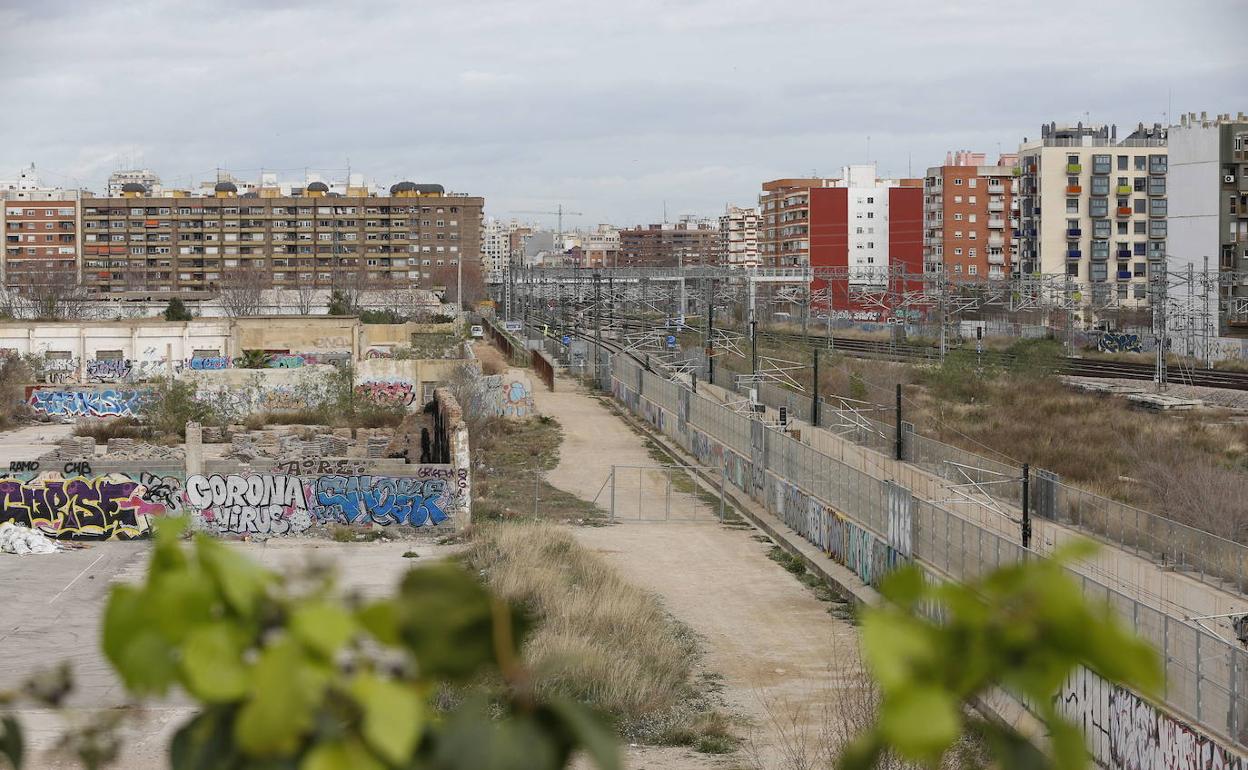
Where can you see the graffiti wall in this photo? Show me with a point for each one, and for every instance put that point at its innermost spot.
(102, 402)
(507, 395)
(1125, 731)
(103, 507)
(281, 503)
(388, 392)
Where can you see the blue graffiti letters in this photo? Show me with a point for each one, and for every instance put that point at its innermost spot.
(382, 500)
(86, 403)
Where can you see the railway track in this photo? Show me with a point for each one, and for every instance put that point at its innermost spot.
(908, 353)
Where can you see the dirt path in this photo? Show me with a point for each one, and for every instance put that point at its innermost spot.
(772, 641)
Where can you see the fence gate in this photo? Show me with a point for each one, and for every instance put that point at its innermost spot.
(664, 493)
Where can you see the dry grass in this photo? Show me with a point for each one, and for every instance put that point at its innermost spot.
(492, 361)
(104, 429)
(598, 639)
(511, 474)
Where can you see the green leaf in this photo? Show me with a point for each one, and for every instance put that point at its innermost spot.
(125, 616)
(904, 586)
(179, 601)
(920, 722)
(322, 626)
(588, 731)
(240, 581)
(392, 716)
(862, 753)
(212, 665)
(148, 664)
(893, 643)
(381, 619)
(204, 743)
(1069, 749)
(340, 755)
(445, 618)
(286, 689)
(12, 742)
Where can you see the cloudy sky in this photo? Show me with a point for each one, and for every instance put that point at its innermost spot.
(612, 109)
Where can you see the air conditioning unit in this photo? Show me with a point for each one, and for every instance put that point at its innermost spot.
(1229, 178)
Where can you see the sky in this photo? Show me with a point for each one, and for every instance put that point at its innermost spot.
(618, 111)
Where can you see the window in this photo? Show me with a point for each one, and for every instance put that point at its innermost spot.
(970, 252)
(1141, 163)
(1138, 228)
(971, 183)
(972, 235)
(1122, 162)
(972, 269)
(1072, 205)
(970, 217)
(957, 182)
(957, 269)
(957, 233)
(956, 217)
(1122, 228)
(1072, 268)
(957, 252)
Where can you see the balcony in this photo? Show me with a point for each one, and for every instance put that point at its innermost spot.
(1073, 189)
(1124, 275)
(996, 259)
(1074, 232)
(995, 240)
(1124, 253)
(1124, 211)
(1074, 254)
(1123, 189)
(1074, 168)
(996, 205)
(996, 223)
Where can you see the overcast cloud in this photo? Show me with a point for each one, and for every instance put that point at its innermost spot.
(609, 108)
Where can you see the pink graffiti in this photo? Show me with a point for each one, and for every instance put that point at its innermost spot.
(387, 391)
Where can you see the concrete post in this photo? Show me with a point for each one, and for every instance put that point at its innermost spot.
(194, 448)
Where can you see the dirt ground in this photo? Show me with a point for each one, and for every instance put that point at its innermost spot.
(773, 642)
(53, 613)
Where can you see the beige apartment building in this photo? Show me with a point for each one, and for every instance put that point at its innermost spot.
(179, 244)
(1094, 208)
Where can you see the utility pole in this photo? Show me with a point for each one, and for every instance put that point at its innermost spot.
(709, 291)
(898, 447)
(1026, 533)
(814, 391)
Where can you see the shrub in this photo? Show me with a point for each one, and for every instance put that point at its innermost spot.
(172, 403)
(103, 430)
(176, 310)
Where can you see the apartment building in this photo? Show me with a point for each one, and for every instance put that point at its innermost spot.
(137, 245)
(601, 246)
(1094, 207)
(495, 249)
(738, 237)
(784, 221)
(41, 234)
(669, 245)
(1208, 223)
(41, 239)
(969, 214)
(140, 176)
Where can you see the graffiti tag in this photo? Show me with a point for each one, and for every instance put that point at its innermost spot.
(388, 392)
(260, 504)
(108, 369)
(86, 403)
(382, 500)
(100, 508)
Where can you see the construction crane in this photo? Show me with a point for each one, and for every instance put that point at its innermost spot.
(559, 212)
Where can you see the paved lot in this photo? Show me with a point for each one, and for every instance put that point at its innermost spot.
(22, 444)
(55, 603)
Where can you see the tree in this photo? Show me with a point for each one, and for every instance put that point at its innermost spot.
(306, 293)
(176, 310)
(242, 289)
(338, 304)
(1023, 628)
(448, 277)
(57, 295)
(252, 359)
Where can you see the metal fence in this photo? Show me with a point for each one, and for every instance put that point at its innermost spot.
(664, 493)
(1207, 678)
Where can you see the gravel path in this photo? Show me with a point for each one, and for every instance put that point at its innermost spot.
(773, 642)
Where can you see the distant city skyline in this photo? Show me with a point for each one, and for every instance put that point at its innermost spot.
(612, 113)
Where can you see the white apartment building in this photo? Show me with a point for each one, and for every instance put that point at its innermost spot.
(738, 237)
(496, 249)
(1208, 230)
(120, 178)
(601, 246)
(1094, 208)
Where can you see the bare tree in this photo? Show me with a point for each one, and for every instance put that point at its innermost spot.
(306, 293)
(58, 295)
(350, 281)
(242, 289)
(448, 278)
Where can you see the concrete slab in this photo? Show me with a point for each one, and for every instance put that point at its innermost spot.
(27, 443)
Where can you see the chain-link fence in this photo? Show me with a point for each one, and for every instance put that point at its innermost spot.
(664, 493)
(1204, 671)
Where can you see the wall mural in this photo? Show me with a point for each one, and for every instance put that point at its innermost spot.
(109, 506)
(283, 504)
(103, 402)
(506, 396)
(388, 392)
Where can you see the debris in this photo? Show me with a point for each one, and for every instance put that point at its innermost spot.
(20, 540)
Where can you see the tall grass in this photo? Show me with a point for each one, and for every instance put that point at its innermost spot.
(598, 638)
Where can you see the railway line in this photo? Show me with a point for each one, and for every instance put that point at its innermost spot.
(909, 353)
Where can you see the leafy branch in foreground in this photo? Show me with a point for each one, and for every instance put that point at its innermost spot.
(287, 675)
(1022, 628)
